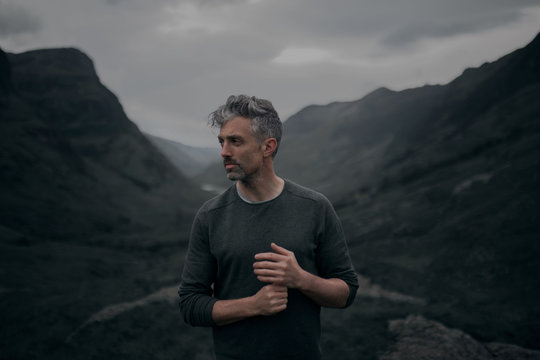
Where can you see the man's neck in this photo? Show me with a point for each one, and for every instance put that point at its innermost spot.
(261, 189)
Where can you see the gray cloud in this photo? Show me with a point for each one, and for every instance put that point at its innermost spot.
(438, 20)
(395, 22)
(171, 62)
(16, 20)
(218, 2)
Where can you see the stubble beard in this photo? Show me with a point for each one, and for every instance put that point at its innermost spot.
(239, 174)
(236, 175)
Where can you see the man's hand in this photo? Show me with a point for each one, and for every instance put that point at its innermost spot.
(271, 299)
(279, 267)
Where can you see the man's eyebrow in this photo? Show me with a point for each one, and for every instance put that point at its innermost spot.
(230, 136)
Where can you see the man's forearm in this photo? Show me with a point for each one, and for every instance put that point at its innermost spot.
(281, 267)
(269, 300)
(325, 292)
(226, 312)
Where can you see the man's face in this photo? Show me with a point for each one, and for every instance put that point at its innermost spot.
(241, 152)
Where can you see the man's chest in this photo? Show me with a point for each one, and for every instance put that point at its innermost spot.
(235, 238)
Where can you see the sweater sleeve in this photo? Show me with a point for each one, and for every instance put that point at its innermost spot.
(333, 258)
(198, 275)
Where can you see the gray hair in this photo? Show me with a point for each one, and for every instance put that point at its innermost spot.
(265, 122)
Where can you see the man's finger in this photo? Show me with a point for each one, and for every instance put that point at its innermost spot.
(278, 288)
(268, 272)
(266, 265)
(268, 279)
(280, 250)
(269, 256)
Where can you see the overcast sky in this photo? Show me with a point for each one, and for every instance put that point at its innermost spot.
(172, 62)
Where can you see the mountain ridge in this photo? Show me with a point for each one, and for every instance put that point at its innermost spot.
(190, 160)
(437, 191)
(415, 108)
(74, 164)
(436, 187)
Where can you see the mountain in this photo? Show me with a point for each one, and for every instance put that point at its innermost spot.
(73, 164)
(437, 188)
(91, 213)
(363, 139)
(202, 165)
(190, 160)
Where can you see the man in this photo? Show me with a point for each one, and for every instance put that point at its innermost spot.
(265, 255)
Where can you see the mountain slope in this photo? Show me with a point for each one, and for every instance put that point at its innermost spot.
(437, 188)
(91, 213)
(189, 160)
(438, 191)
(354, 143)
(72, 163)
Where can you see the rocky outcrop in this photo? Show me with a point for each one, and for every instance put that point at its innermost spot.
(418, 338)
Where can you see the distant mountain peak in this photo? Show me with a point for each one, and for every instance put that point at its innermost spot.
(67, 59)
(382, 91)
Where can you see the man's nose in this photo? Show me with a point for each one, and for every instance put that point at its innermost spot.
(225, 150)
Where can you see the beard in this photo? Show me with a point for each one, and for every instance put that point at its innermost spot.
(235, 173)
(240, 172)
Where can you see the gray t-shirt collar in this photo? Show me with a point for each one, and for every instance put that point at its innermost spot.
(245, 199)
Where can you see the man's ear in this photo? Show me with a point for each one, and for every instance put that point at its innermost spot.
(269, 146)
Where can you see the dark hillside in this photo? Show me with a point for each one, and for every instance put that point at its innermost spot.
(438, 191)
(91, 214)
(437, 188)
(73, 163)
(189, 160)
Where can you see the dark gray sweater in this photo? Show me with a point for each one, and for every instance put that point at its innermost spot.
(227, 233)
